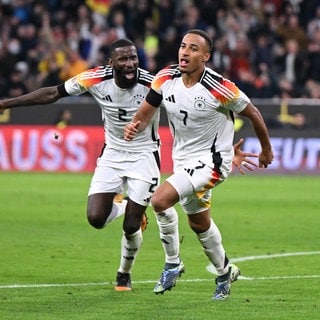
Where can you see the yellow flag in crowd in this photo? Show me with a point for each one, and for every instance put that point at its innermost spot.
(100, 6)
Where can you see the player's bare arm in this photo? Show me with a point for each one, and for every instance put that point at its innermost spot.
(139, 121)
(260, 128)
(44, 95)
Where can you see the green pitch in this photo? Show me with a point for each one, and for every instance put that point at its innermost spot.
(53, 265)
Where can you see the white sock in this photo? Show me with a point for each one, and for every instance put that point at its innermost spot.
(130, 246)
(169, 234)
(118, 210)
(211, 242)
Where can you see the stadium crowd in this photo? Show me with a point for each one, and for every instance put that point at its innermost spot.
(269, 48)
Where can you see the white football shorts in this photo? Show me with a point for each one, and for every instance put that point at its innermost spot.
(194, 182)
(133, 173)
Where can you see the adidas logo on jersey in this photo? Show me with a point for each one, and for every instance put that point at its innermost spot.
(170, 99)
(108, 98)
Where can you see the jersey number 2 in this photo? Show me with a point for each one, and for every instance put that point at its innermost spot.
(122, 114)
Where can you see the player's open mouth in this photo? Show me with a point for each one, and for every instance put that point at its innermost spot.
(130, 74)
(183, 62)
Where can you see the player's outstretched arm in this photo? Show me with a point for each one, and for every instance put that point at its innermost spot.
(44, 95)
(260, 128)
(139, 121)
(242, 159)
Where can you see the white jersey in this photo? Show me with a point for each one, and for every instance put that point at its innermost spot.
(201, 117)
(118, 106)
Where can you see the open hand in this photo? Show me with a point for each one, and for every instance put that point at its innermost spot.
(242, 159)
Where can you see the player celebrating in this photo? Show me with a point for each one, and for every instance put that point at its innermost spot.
(123, 167)
(200, 105)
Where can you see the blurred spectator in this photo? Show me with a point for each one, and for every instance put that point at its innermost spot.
(168, 48)
(313, 56)
(142, 11)
(259, 85)
(64, 119)
(221, 22)
(291, 29)
(312, 89)
(16, 82)
(220, 58)
(88, 32)
(21, 10)
(292, 65)
(167, 15)
(191, 19)
(313, 25)
(262, 52)
(240, 56)
(8, 60)
(273, 6)
(234, 32)
(209, 10)
(151, 40)
(117, 21)
(27, 35)
(90, 43)
(49, 67)
(286, 87)
(73, 65)
(143, 59)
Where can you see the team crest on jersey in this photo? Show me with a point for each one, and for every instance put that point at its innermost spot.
(200, 103)
(137, 99)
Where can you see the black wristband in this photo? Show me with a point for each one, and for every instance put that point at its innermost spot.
(154, 98)
(62, 91)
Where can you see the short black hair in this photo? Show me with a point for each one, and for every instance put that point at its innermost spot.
(204, 35)
(120, 43)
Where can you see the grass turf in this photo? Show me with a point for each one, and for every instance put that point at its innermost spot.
(53, 265)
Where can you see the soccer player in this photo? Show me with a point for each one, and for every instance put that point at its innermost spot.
(123, 167)
(199, 104)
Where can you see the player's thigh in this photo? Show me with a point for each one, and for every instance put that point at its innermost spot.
(100, 204)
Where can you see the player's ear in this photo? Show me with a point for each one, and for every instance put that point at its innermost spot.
(206, 57)
(110, 62)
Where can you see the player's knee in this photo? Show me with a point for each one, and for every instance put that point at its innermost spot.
(96, 220)
(158, 203)
(130, 228)
(165, 196)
